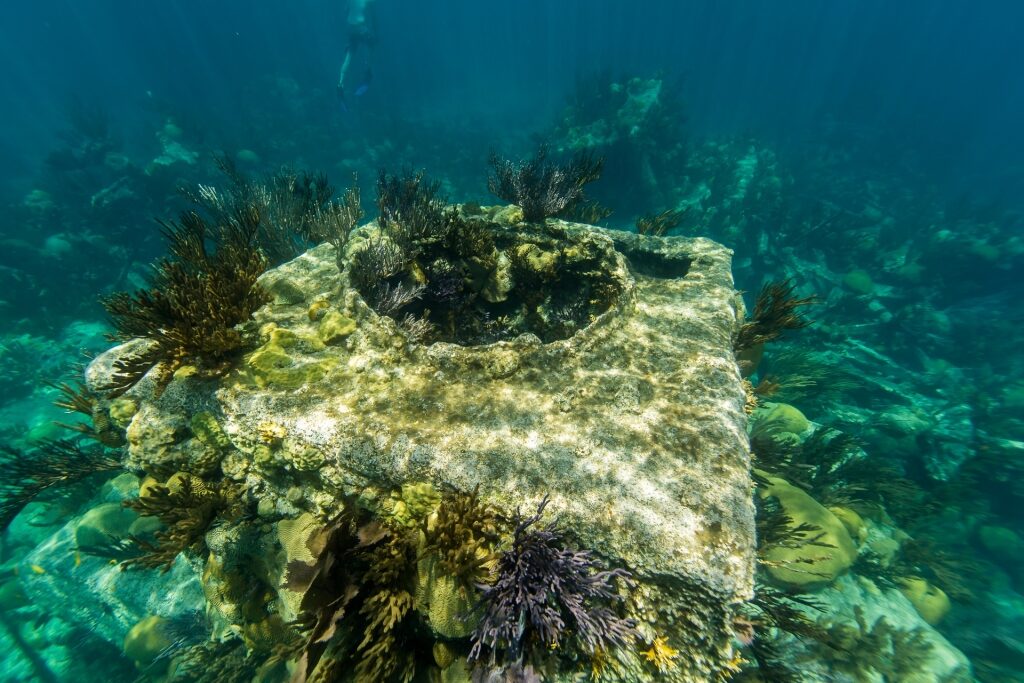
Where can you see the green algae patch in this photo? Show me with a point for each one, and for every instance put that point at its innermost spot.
(335, 327)
(280, 363)
(208, 430)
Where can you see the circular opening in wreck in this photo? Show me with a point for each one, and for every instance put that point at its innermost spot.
(488, 283)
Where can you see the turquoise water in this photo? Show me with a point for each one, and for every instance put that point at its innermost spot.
(868, 152)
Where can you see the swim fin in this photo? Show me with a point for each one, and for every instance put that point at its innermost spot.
(364, 84)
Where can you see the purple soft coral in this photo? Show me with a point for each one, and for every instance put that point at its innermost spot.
(547, 597)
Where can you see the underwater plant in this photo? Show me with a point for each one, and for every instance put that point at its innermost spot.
(327, 587)
(447, 274)
(215, 661)
(787, 612)
(334, 221)
(294, 207)
(861, 648)
(24, 475)
(587, 211)
(462, 536)
(412, 212)
(547, 597)
(415, 223)
(384, 649)
(772, 607)
(954, 573)
(81, 399)
(660, 224)
(361, 581)
(832, 467)
(372, 268)
(541, 188)
(198, 295)
(775, 312)
(776, 529)
(187, 507)
(19, 366)
(796, 376)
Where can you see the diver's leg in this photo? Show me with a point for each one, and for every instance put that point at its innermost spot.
(345, 64)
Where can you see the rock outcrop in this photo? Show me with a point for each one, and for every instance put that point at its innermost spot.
(632, 425)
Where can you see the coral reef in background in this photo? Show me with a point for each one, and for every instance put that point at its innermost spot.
(638, 126)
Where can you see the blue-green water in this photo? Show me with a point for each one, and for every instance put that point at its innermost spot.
(869, 151)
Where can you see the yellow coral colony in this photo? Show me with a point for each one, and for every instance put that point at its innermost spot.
(661, 654)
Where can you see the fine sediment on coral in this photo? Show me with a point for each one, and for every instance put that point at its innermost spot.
(633, 424)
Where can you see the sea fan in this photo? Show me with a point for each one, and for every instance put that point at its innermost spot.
(541, 188)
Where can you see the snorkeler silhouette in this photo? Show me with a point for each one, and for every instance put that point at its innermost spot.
(362, 36)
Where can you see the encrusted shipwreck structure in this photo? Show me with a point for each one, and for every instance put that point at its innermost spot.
(593, 368)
